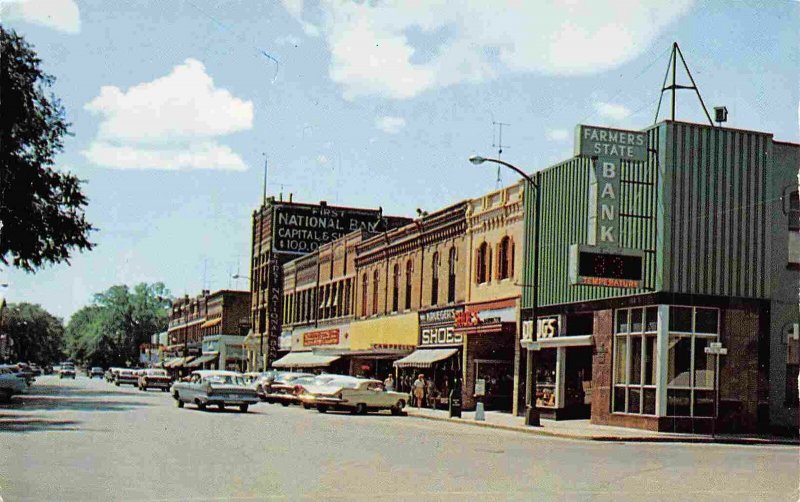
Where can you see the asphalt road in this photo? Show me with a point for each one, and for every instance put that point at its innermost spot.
(87, 440)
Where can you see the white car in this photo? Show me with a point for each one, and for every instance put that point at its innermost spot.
(218, 388)
(10, 385)
(357, 395)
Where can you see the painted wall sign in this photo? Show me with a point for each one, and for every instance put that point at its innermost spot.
(321, 337)
(301, 229)
(593, 141)
(466, 319)
(437, 327)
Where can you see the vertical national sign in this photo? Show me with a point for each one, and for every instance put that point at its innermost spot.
(274, 299)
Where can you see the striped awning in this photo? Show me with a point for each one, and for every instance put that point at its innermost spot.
(424, 358)
(211, 323)
(205, 358)
(304, 360)
(178, 362)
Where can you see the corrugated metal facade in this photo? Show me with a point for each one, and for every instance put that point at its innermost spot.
(697, 208)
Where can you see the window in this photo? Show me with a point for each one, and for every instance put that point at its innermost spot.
(409, 270)
(792, 369)
(794, 230)
(451, 275)
(435, 279)
(347, 287)
(395, 287)
(375, 292)
(635, 336)
(364, 286)
(505, 258)
(691, 372)
(482, 263)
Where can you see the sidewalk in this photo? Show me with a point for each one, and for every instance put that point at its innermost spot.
(584, 430)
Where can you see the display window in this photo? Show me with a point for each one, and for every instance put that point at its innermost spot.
(546, 379)
(635, 335)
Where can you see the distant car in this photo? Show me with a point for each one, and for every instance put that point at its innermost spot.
(67, 370)
(358, 396)
(281, 389)
(219, 388)
(127, 377)
(35, 369)
(10, 384)
(154, 379)
(96, 371)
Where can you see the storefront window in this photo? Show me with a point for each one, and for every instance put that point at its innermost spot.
(792, 369)
(691, 373)
(634, 361)
(546, 379)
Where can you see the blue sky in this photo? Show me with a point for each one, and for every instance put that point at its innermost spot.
(173, 105)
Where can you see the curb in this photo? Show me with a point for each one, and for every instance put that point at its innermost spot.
(617, 439)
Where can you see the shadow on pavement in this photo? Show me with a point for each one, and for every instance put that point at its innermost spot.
(56, 398)
(31, 423)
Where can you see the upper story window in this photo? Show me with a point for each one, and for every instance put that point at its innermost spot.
(435, 279)
(395, 287)
(409, 271)
(451, 275)
(505, 258)
(364, 286)
(375, 292)
(794, 229)
(483, 263)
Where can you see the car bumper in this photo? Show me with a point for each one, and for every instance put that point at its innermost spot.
(230, 400)
(157, 385)
(127, 381)
(280, 398)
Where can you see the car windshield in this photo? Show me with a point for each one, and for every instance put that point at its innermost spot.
(225, 379)
(157, 372)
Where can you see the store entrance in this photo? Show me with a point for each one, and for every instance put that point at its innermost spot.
(578, 382)
(564, 382)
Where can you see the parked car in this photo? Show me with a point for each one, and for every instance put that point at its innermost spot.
(67, 370)
(211, 387)
(11, 384)
(357, 396)
(96, 371)
(281, 389)
(35, 369)
(126, 376)
(154, 379)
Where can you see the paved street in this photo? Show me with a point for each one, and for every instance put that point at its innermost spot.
(88, 440)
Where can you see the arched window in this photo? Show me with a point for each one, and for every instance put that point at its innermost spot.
(375, 292)
(482, 264)
(409, 271)
(395, 287)
(364, 286)
(451, 275)
(435, 279)
(505, 258)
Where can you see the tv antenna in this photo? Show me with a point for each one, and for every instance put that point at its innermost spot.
(499, 145)
(672, 65)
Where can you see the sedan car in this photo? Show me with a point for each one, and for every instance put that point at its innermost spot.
(66, 371)
(10, 384)
(96, 371)
(357, 395)
(282, 388)
(126, 376)
(219, 388)
(154, 379)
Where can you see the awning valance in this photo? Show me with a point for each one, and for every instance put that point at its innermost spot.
(211, 323)
(205, 358)
(170, 361)
(424, 358)
(178, 362)
(560, 341)
(303, 360)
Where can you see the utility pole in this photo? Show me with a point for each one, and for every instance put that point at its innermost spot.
(499, 145)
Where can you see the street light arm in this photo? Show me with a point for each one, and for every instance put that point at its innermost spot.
(480, 160)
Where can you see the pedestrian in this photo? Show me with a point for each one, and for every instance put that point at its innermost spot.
(419, 389)
(389, 382)
(431, 393)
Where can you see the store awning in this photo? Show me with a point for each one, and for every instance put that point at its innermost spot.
(211, 323)
(560, 341)
(168, 363)
(205, 358)
(304, 360)
(178, 362)
(424, 358)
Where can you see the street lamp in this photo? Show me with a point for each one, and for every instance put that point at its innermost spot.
(531, 412)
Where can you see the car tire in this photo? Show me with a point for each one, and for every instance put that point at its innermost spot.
(164, 389)
(243, 408)
(5, 395)
(116, 383)
(360, 409)
(201, 406)
(306, 406)
(178, 401)
(284, 404)
(221, 406)
(397, 409)
(322, 408)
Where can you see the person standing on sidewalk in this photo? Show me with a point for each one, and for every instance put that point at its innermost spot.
(419, 389)
(389, 383)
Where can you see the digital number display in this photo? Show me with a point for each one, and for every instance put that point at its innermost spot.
(612, 266)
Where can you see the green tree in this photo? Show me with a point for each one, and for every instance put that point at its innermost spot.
(110, 331)
(37, 335)
(41, 210)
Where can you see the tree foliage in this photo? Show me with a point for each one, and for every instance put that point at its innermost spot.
(41, 210)
(110, 331)
(37, 336)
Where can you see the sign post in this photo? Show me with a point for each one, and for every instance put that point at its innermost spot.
(715, 348)
(480, 391)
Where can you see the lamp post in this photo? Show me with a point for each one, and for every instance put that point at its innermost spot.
(260, 335)
(531, 412)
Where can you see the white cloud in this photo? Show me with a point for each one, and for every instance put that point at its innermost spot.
(372, 44)
(169, 123)
(390, 125)
(612, 111)
(322, 160)
(288, 40)
(62, 15)
(557, 134)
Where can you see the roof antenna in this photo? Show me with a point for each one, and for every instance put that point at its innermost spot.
(264, 200)
(499, 145)
(673, 60)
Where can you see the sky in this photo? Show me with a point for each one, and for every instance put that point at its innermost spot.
(175, 106)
